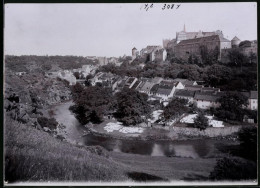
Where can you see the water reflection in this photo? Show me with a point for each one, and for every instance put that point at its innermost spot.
(185, 151)
(192, 149)
(157, 150)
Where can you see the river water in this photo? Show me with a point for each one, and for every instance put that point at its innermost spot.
(188, 148)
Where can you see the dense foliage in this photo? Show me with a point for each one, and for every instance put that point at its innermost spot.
(234, 169)
(46, 122)
(236, 57)
(131, 106)
(231, 106)
(244, 167)
(175, 108)
(209, 57)
(225, 77)
(27, 63)
(92, 103)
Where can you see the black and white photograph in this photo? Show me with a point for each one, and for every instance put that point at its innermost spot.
(130, 94)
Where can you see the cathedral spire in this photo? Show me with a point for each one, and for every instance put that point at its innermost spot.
(184, 29)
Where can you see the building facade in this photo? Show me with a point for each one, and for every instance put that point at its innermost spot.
(191, 47)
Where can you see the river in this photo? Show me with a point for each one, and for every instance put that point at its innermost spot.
(76, 133)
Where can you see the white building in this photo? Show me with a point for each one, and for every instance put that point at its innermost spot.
(206, 100)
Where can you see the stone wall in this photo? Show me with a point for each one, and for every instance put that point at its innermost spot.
(161, 127)
(209, 132)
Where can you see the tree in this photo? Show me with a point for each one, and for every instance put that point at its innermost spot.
(234, 169)
(175, 108)
(88, 80)
(231, 106)
(236, 57)
(92, 104)
(245, 43)
(190, 60)
(77, 75)
(76, 91)
(204, 54)
(45, 122)
(216, 75)
(191, 72)
(209, 57)
(252, 57)
(201, 122)
(215, 53)
(131, 105)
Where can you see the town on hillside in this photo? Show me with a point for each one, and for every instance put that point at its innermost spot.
(104, 94)
(189, 47)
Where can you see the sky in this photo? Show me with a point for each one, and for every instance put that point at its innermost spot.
(114, 29)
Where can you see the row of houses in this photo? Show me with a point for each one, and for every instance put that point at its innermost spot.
(206, 98)
(165, 89)
(151, 53)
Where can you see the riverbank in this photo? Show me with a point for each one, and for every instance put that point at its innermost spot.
(171, 134)
(110, 128)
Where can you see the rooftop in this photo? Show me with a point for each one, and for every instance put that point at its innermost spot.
(235, 39)
(184, 93)
(185, 82)
(147, 86)
(203, 39)
(253, 95)
(207, 96)
(164, 91)
(193, 88)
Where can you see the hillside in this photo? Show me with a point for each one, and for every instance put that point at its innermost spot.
(34, 155)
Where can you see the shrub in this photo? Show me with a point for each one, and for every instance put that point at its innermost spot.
(45, 122)
(234, 169)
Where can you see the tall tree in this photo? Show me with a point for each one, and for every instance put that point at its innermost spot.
(237, 58)
(232, 105)
(92, 104)
(131, 106)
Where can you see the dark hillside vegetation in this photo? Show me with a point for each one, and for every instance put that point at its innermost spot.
(44, 63)
(224, 76)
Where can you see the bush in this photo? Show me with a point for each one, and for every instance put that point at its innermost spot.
(45, 122)
(234, 169)
(248, 142)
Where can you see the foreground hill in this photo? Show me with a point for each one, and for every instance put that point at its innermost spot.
(34, 155)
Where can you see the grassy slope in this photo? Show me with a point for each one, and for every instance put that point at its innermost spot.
(33, 155)
(171, 168)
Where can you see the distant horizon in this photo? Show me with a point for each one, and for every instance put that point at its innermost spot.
(80, 29)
